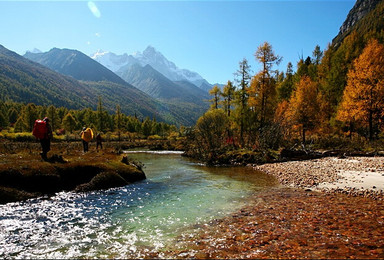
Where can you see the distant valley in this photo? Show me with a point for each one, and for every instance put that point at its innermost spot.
(69, 78)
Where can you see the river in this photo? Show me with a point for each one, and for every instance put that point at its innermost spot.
(177, 196)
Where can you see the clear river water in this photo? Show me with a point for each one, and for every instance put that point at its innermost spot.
(177, 196)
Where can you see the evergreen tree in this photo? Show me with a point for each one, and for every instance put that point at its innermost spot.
(20, 125)
(147, 127)
(53, 116)
(286, 87)
(12, 115)
(69, 122)
(100, 116)
(3, 120)
(29, 114)
(317, 55)
(118, 120)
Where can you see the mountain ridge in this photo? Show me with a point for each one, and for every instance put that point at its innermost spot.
(75, 64)
(82, 67)
(154, 58)
(25, 81)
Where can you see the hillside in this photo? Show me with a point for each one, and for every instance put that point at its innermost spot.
(22, 80)
(75, 64)
(158, 86)
(364, 22)
(128, 91)
(361, 18)
(180, 96)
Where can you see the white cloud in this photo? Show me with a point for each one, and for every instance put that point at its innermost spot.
(98, 34)
(94, 10)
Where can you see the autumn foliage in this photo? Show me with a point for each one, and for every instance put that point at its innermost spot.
(326, 97)
(363, 99)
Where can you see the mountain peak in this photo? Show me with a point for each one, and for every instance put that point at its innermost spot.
(75, 64)
(99, 53)
(35, 50)
(150, 49)
(150, 56)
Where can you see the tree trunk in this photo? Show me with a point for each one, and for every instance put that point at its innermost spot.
(370, 126)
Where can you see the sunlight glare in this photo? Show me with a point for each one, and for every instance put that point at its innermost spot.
(95, 11)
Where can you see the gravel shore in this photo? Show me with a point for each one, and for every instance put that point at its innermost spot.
(294, 221)
(356, 176)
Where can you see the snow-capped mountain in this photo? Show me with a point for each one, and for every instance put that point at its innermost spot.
(112, 61)
(150, 56)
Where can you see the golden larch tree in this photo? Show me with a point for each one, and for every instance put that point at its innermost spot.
(304, 107)
(363, 98)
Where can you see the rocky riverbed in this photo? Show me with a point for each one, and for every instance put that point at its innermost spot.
(312, 215)
(292, 223)
(357, 176)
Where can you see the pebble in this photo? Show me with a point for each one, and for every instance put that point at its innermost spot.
(309, 174)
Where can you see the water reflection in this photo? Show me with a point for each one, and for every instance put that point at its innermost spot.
(123, 222)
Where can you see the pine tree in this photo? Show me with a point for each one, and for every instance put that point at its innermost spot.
(53, 116)
(100, 116)
(118, 120)
(285, 88)
(12, 115)
(69, 122)
(29, 115)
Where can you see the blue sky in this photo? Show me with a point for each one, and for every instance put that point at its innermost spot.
(209, 37)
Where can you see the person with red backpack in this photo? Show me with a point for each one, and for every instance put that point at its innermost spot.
(42, 130)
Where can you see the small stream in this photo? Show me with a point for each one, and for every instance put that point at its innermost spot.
(177, 196)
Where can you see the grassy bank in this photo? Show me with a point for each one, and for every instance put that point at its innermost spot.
(24, 175)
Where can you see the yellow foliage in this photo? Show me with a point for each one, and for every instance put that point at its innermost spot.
(363, 98)
(304, 106)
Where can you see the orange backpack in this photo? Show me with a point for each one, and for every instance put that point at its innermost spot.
(87, 135)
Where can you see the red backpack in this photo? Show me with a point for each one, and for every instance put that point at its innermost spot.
(40, 129)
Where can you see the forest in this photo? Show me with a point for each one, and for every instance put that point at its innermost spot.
(17, 121)
(334, 100)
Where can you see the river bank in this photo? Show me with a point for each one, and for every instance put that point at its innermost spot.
(24, 175)
(326, 208)
(292, 223)
(356, 176)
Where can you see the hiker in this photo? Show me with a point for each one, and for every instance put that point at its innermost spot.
(45, 138)
(99, 141)
(86, 136)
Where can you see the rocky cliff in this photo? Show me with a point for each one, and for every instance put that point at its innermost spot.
(359, 11)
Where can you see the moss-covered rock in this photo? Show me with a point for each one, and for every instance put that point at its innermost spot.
(103, 180)
(11, 195)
